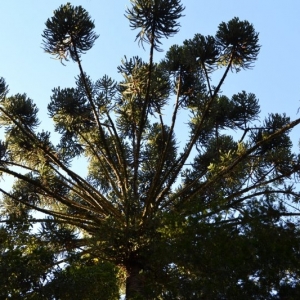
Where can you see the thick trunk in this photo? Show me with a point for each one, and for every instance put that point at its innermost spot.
(135, 282)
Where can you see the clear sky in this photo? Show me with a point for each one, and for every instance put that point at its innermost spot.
(274, 78)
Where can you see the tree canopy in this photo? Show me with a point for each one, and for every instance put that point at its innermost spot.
(206, 209)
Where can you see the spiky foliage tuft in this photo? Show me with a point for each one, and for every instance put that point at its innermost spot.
(69, 33)
(155, 19)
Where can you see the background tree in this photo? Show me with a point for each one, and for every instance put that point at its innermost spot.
(197, 218)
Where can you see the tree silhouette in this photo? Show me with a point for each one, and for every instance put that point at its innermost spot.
(182, 219)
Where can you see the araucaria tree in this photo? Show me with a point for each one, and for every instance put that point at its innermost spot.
(209, 214)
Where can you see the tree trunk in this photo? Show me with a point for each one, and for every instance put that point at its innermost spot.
(135, 281)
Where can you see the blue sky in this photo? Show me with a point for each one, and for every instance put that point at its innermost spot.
(274, 78)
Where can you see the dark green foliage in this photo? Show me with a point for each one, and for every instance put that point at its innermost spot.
(23, 108)
(204, 49)
(69, 32)
(201, 209)
(232, 261)
(24, 261)
(3, 88)
(84, 281)
(155, 19)
(239, 43)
